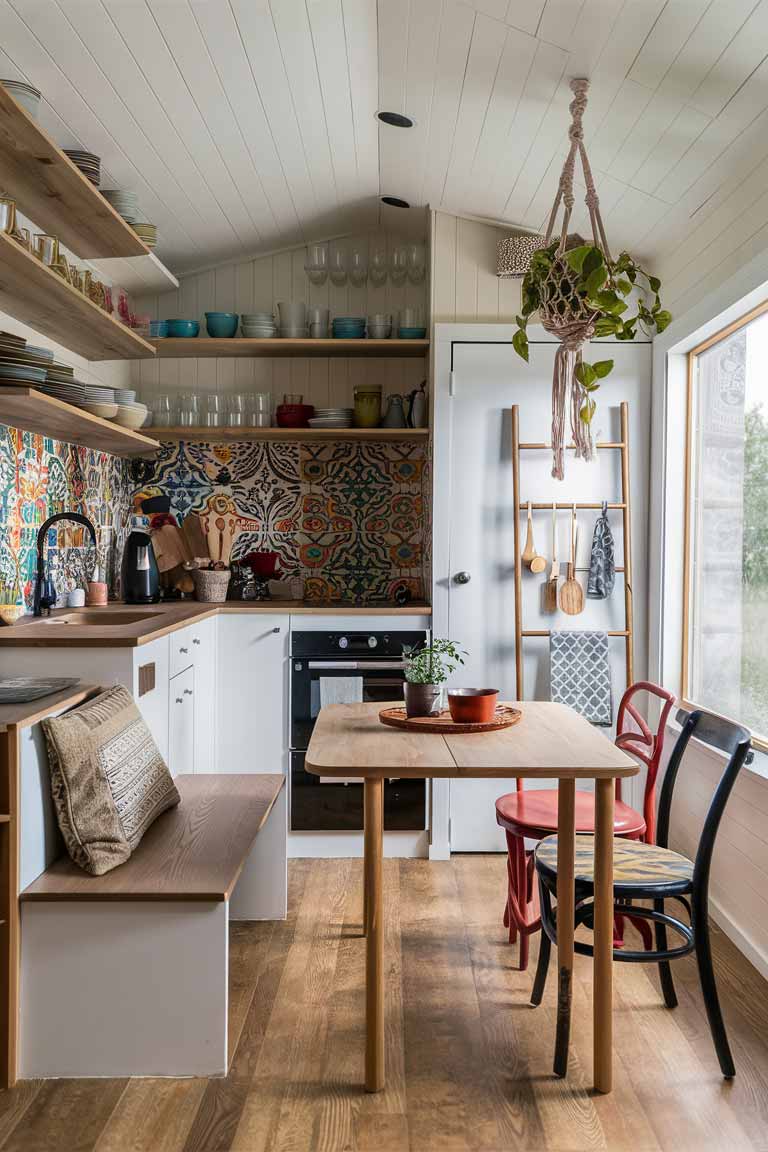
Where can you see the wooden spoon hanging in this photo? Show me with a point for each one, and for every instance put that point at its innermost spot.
(550, 588)
(531, 558)
(572, 593)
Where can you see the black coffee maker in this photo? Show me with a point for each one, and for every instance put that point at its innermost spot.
(141, 579)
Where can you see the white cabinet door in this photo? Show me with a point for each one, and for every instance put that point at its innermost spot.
(253, 696)
(181, 722)
(204, 649)
(150, 688)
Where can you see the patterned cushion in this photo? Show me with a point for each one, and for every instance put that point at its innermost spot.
(108, 780)
(635, 864)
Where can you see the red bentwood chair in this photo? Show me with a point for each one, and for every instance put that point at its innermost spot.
(533, 814)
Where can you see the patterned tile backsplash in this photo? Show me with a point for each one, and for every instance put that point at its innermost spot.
(347, 518)
(39, 477)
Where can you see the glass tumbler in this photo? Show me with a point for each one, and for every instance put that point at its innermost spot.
(162, 411)
(236, 410)
(189, 410)
(213, 410)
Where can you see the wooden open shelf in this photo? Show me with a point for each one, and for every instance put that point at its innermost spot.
(217, 435)
(33, 293)
(238, 346)
(53, 191)
(35, 412)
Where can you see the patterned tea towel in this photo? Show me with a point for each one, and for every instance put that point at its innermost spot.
(602, 569)
(580, 674)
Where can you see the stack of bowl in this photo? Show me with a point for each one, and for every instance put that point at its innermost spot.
(221, 324)
(380, 326)
(88, 163)
(126, 204)
(294, 415)
(26, 95)
(412, 333)
(258, 325)
(146, 232)
(293, 320)
(100, 401)
(349, 327)
(130, 413)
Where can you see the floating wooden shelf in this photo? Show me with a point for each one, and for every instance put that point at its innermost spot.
(238, 346)
(140, 274)
(36, 412)
(216, 435)
(53, 191)
(32, 293)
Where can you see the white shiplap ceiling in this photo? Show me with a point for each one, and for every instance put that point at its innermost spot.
(249, 125)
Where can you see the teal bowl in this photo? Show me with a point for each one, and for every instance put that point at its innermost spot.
(183, 328)
(221, 324)
(412, 333)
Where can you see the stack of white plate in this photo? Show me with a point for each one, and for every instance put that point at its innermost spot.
(72, 392)
(331, 418)
(26, 95)
(258, 325)
(100, 401)
(88, 163)
(147, 233)
(124, 203)
(124, 395)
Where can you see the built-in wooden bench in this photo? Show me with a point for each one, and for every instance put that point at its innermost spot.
(126, 974)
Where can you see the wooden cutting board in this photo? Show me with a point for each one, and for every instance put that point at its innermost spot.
(196, 541)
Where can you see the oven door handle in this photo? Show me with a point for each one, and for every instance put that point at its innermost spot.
(357, 665)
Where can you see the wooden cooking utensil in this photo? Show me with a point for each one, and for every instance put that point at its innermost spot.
(572, 593)
(192, 529)
(550, 588)
(530, 557)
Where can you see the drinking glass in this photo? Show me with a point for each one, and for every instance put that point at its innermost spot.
(358, 262)
(259, 409)
(189, 410)
(316, 266)
(162, 411)
(398, 263)
(338, 263)
(416, 263)
(213, 410)
(236, 410)
(379, 263)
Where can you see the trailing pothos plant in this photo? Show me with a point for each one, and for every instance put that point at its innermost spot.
(586, 283)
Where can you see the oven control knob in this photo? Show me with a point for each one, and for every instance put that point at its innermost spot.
(343, 642)
(372, 642)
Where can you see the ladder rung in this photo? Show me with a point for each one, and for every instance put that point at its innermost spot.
(546, 632)
(607, 444)
(548, 507)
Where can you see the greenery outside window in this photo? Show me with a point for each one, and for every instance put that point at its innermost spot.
(725, 617)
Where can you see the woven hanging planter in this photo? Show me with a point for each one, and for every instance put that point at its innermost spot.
(578, 294)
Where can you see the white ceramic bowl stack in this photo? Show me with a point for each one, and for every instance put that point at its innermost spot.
(331, 418)
(293, 320)
(258, 325)
(379, 326)
(100, 401)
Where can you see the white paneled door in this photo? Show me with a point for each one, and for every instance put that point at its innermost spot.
(474, 523)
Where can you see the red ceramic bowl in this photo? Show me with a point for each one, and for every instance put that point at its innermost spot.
(293, 415)
(472, 705)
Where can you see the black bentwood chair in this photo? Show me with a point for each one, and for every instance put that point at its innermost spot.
(651, 872)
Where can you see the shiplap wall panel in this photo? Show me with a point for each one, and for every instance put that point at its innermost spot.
(465, 286)
(261, 284)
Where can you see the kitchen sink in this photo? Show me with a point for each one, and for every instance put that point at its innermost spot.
(101, 617)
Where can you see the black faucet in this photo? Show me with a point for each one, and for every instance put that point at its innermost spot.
(45, 593)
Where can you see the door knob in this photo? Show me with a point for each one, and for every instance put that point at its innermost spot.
(462, 578)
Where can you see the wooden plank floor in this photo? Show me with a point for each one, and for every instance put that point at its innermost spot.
(468, 1061)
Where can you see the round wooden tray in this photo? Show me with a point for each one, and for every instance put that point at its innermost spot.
(443, 724)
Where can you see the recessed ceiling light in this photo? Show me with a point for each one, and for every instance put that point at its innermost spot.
(395, 202)
(395, 119)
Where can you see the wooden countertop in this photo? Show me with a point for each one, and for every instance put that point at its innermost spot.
(161, 619)
(24, 715)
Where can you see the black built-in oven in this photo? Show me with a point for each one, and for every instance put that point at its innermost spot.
(376, 659)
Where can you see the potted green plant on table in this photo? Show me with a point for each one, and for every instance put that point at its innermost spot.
(426, 670)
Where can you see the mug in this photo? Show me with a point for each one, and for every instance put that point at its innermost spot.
(7, 215)
(47, 249)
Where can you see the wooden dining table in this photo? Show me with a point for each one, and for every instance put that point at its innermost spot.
(551, 741)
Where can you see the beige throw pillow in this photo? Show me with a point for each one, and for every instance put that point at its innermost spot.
(108, 779)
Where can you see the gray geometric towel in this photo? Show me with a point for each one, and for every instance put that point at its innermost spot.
(602, 570)
(580, 674)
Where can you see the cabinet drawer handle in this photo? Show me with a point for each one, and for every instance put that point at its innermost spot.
(179, 700)
(183, 651)
(188, 692)
(195, 640)
(275, 629)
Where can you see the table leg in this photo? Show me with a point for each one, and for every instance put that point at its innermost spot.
(365, 876)
(374, 941)
(566, 847)
(603, 930)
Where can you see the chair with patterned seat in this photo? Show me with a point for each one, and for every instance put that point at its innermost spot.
(654, 873)
(532, 815)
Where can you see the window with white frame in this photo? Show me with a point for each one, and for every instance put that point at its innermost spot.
(725, 631)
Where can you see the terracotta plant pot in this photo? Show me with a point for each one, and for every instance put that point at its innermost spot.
(423, 699)
(472, 705)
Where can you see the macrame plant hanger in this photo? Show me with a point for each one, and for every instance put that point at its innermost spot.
(563, 313)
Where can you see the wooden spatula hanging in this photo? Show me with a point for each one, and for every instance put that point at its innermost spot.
(530, 556)
(572, 593)
(550, 588)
